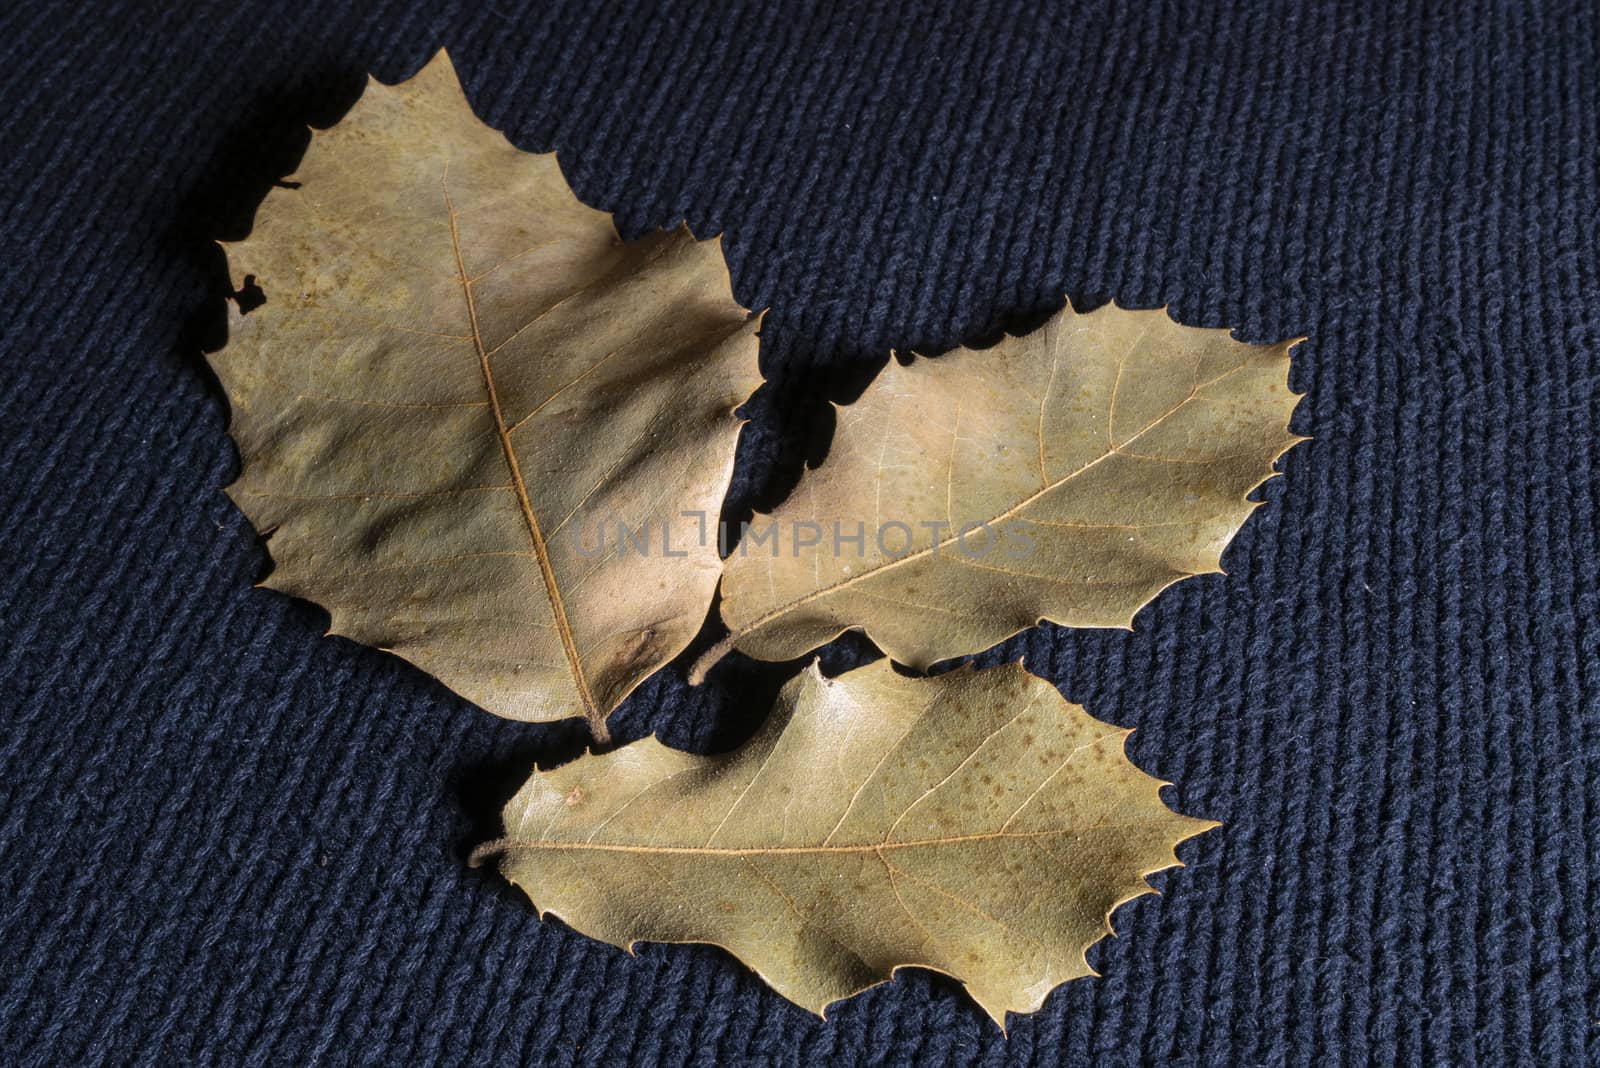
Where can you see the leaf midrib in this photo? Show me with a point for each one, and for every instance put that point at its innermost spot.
(762, 851)
(591, 709)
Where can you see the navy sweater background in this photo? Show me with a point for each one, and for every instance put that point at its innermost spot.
(225, 839)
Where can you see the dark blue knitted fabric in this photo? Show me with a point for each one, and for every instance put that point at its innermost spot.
(226, 839)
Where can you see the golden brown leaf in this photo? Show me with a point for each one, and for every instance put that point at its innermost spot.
(974, 823)
(460, 381)
(1091, 463)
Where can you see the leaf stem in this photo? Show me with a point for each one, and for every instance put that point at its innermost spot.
(487, 851)
(710, 659)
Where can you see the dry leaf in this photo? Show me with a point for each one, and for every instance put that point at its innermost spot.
(1069, 474)
(974, 823)
(460, 381)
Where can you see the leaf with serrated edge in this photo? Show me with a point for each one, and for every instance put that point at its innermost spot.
(1092, 462)
(461, 383)
(974, 823)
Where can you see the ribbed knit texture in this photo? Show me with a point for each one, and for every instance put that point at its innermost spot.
(226, 839)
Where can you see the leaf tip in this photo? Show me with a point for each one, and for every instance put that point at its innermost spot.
(436, 64)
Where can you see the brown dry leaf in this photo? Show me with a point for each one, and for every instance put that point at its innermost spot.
(1090, 463)
(460, 381)
(974, 823)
